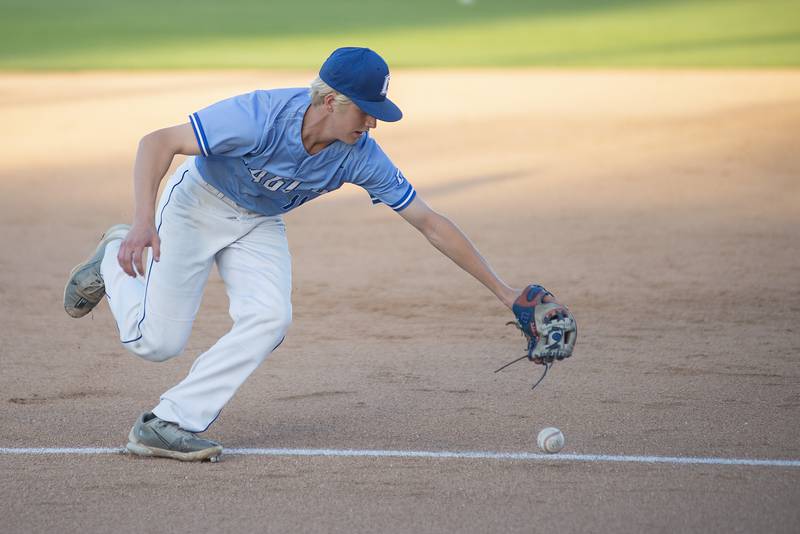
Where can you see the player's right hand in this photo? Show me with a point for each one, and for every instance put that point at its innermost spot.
(131, 251)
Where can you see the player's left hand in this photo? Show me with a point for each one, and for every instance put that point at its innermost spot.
(549, 327)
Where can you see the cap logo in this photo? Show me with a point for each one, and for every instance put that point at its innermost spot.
(385, 86)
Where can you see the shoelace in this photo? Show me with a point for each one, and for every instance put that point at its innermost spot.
(166, 424)
(94, 285)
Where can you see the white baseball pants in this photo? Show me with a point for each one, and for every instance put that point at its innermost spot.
(198, 225)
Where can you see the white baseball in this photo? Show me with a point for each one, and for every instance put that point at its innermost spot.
(550, 439)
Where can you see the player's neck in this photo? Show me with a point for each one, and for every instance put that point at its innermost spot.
(315, 132)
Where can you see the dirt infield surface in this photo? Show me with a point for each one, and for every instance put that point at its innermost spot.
(664, 208)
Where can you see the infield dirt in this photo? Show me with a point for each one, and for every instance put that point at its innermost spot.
(662, 207)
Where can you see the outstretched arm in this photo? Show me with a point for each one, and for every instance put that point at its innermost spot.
(451, 241)
(549, 327)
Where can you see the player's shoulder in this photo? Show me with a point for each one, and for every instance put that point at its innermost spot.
(286, 93)
(367, 148)
(368, 161)
(281, 97)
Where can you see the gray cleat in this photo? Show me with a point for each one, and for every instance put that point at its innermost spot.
(85, 287)
(151, 436)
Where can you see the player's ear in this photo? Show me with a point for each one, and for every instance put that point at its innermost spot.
(328, 102)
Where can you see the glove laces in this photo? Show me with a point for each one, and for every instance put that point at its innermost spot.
(544, 374)
(531, 346)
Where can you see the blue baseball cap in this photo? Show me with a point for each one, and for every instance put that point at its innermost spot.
(363, 76)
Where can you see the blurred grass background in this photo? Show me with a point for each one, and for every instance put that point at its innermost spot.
(170, 34)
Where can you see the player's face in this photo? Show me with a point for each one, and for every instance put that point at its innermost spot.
(352, 123)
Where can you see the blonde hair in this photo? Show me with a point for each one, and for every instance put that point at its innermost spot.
(319, 90)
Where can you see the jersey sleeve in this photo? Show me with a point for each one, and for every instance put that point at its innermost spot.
(384, 182)
(233, 127)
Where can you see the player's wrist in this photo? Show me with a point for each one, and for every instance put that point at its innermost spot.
(508, 295)
(143, 219)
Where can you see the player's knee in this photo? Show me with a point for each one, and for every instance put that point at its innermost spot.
(284, 320)
(275, 325)
(157, 352)
(267, 327)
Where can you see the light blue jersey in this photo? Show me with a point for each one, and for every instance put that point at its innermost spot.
(253, 153)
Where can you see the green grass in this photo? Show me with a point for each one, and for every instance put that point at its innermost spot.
(168, 34)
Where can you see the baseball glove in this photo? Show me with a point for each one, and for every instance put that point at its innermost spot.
(549, 327)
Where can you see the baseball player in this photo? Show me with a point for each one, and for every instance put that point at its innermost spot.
(252, 158)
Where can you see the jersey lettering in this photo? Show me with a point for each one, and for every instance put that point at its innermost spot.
(272, 182)
(258, 174)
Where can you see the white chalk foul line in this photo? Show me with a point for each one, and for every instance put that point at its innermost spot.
(475, 455)
(86, 451)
